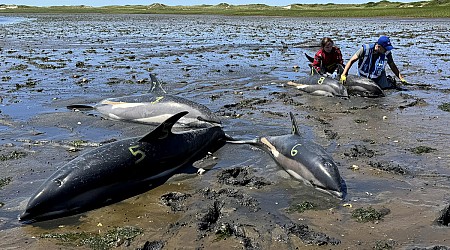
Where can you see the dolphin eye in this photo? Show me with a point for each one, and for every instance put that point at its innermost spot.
(58, 182)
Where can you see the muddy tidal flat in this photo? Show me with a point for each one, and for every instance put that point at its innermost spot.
(392, 152)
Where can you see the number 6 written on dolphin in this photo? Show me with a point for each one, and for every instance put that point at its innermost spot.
(294, 151)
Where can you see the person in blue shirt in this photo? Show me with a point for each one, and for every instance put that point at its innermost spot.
(372, 60)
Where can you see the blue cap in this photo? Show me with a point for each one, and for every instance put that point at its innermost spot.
(385, 42)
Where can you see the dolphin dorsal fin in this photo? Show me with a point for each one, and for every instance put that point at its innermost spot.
(164, 129)
(294, 125)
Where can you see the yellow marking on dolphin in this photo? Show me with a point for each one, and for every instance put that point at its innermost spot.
(320, 81)
(294, 151)
(136, 153)
(159, 98)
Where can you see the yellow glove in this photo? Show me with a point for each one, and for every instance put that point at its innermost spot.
(343, 79)
(403, 81)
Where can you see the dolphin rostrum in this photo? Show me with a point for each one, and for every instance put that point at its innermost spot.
(120, 170)
(303, 159)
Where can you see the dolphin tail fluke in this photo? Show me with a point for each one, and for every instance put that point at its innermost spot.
(156, 85)
(294, 125)
(164, 129)
(83, 107)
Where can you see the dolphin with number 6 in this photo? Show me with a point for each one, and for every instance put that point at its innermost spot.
(303, 159)
(120, 170)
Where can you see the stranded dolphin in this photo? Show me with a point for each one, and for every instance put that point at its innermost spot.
(153, 108)
(362, 86)
(120, 170)
(303, 159)
(358, 85)
(320, 85)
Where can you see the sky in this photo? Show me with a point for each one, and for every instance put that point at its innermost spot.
(97, 3)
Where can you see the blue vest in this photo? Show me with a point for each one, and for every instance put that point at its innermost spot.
(368, 68)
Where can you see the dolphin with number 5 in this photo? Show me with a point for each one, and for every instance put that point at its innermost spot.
(120, 170)
(303, 159)
(152, 108)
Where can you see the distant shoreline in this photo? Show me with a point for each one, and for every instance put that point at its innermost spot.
(421, 9)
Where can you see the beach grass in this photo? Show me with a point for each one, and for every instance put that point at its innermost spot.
(421, 9)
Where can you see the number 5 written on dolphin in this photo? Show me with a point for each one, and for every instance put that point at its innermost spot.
(137, 152)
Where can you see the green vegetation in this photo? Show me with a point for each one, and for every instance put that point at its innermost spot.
(422, 150)
(302, 207)
(4, 182)
(112, 238)
(78, 143)
(369, 214)
(445, 106)
(421, 9)
(12, 156)
(385, 244)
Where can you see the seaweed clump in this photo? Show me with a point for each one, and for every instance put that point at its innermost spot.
(359, 151)
(389, 167)
(422, 150)
(302, 207)
(5, 181)
(113, 238)
(445, 106)
(369, 214)
(14, 155)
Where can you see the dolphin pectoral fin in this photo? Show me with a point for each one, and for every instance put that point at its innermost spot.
(83, 107)
(164, 129)
(251, 142)
(294, 125)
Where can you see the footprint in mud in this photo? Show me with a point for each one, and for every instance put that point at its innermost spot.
(175, 201)
(308, 236)
(416, 101)
(241, 177)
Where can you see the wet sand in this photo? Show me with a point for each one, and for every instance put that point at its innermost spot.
(238, 67)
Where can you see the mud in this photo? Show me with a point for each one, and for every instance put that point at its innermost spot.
(392, 152)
